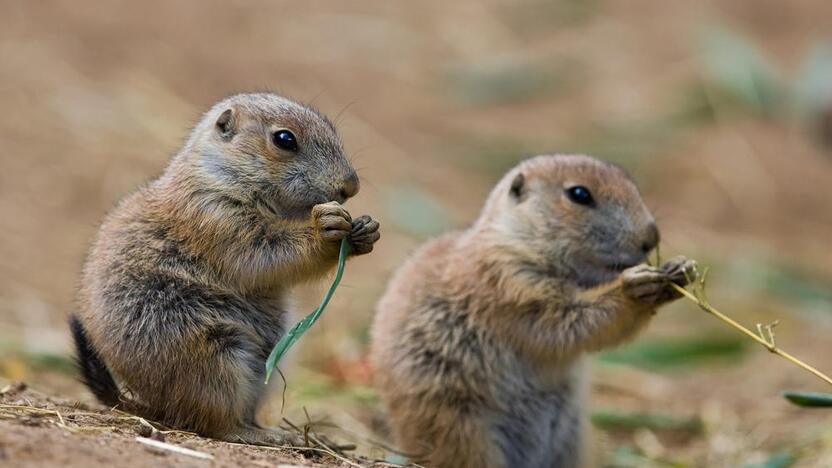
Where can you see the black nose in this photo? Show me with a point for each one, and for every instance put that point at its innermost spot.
(350, 187)
(651, 238)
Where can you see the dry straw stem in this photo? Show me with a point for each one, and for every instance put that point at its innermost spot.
(174, 448)
(766, 339)
(308, 435)
(12, 411)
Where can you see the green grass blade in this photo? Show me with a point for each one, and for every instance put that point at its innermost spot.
(809, 399)
(300, 328)
(782, 459)
(672, 353)
(618, 420)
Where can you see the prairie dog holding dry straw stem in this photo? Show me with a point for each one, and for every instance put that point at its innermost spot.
(477, 343)
(184, 291)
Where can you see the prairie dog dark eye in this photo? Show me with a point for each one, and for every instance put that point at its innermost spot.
(580, 195)
(285, 140)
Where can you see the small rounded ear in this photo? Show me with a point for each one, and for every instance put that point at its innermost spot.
(518, 187)
(226, 124)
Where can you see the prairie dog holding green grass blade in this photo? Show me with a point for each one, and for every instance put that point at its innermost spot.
(184, 292)
(478, 341)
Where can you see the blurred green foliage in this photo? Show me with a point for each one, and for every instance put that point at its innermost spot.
(493, 154)
(416, 212)
(672, 353)
(625, 143)
(629, 456)
(734, 64)
(761, 275)
(530, 18)
(739, 77)
(506, 81)
(814, 80)
(313, 386)
(781, 459)
(619, 420)
(51, 362)
(16, 363)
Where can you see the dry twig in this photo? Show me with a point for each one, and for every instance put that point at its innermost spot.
(766, 332)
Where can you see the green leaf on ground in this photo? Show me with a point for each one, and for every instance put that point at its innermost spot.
(665, 353)
(809, 399)
(781, 459)
(612, 420)
(629, 456)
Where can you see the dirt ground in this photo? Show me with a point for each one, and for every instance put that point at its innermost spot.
(720, 109)
(38, 430)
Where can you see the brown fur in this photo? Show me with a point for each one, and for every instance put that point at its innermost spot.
(184, 291)
(477, 342)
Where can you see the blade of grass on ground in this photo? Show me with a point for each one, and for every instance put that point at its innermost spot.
(664, 353)
(612, 420)
(809, 399)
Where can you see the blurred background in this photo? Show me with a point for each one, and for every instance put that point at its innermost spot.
(722, 111)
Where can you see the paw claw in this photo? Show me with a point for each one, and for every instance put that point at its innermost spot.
(651, 285)
(680, 270)
(364, 235)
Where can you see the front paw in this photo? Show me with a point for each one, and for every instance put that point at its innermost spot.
(364, 235)
(331, 221)
(680, 270)
(652, 286)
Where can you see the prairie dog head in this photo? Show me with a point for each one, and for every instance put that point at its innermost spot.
(572, 215)
(266, 148)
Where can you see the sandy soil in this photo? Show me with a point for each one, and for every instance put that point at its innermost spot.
(38, 430)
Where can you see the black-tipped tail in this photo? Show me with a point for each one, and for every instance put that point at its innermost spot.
(94, 373)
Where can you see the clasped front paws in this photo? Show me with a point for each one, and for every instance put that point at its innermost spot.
(652, 285)
(333, 223)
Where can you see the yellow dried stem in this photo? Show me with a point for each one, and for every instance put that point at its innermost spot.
(767, 343)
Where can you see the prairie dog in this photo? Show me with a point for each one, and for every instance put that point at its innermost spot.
(185, 289)
(478, 341)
